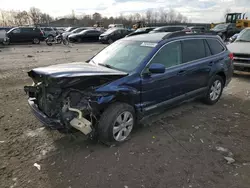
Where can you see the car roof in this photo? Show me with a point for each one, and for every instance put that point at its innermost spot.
(167, 26)
(158, 37)
(149, 37)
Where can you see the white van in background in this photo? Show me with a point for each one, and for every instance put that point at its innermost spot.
(116, 25)
(3, 37)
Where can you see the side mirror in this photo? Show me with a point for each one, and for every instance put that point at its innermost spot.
(157, 68)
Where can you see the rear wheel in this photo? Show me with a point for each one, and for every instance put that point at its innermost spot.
(214, 91)
(36, 41)
(116, 123)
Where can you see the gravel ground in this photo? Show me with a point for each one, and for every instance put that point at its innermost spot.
(182, 147)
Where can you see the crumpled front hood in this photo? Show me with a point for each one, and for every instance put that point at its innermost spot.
(76, 69)
(239, 47)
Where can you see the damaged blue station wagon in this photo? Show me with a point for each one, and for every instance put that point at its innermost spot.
(128, 80)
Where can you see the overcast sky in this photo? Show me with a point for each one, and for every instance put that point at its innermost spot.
(196, 10)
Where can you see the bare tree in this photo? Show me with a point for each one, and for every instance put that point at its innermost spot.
(172, 16)
(137, 17)
(22, 18)
(155, 16)
(162, 15)
(45, 18)
(149, 15)
(35, 15)
(2, 14)
(97, 16)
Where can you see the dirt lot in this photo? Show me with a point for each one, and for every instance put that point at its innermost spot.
(183, 147)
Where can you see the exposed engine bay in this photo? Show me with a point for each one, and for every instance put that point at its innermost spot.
(72, 101)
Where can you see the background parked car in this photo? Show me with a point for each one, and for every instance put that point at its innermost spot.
(241, 51)
(5, 28)
(77, 30)
(116, 25)
(197, 29)
(170, 29)
(113, 34)
(226, 30)
(233, 38)
(48, 32)
(141, 31)
(25, 34)
(90, 35)
(3, 37)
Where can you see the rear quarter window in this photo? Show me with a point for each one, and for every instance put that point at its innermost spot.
(193, 49)
(215, 46)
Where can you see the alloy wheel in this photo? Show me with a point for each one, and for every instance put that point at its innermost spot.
(215, 90)
(123, 126)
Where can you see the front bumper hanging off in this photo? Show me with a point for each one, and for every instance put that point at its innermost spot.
(49, 122)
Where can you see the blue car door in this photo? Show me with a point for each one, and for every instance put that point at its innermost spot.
(196, 65)
(158, 89)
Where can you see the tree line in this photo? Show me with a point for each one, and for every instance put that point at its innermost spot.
(35, 17)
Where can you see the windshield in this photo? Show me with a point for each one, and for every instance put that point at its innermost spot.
(140, 30)
(78, 30)
(109, 31)
(244, 35)
(123, 55)
(69, 29)
(221, 26)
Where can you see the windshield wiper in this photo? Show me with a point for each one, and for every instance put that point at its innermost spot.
(106, 65)
(241, 40)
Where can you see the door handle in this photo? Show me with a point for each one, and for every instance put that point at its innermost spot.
(181, 72)
(211, 63)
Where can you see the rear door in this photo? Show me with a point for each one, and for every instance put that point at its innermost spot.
(196, 65)
(27, 34)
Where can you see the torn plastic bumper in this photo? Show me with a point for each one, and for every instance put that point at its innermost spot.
(80, 123)
(49, 122)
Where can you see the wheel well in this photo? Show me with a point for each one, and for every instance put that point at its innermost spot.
(223, 76)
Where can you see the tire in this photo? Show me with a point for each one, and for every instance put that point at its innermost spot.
(214, 91)
(109, 130)
(110, 41)
(36, 41)
(48, 42)
(79, 40)
(65, 42)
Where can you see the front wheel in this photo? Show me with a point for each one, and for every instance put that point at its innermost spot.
(65, 41)
(116, 123)
(214, 91)
(48, 42)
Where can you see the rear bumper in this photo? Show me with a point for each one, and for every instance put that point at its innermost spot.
(237, 64)
(49, 122)
(241, 66)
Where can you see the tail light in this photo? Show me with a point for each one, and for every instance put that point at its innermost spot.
(187, 30)
(231, 55)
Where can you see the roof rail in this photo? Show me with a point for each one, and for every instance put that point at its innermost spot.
(185, 33)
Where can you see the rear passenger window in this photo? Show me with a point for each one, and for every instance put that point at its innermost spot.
(169, 55)
(193, 50)
(215, 46)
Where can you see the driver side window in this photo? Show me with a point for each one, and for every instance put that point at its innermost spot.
(169, 55)
(16, 31)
